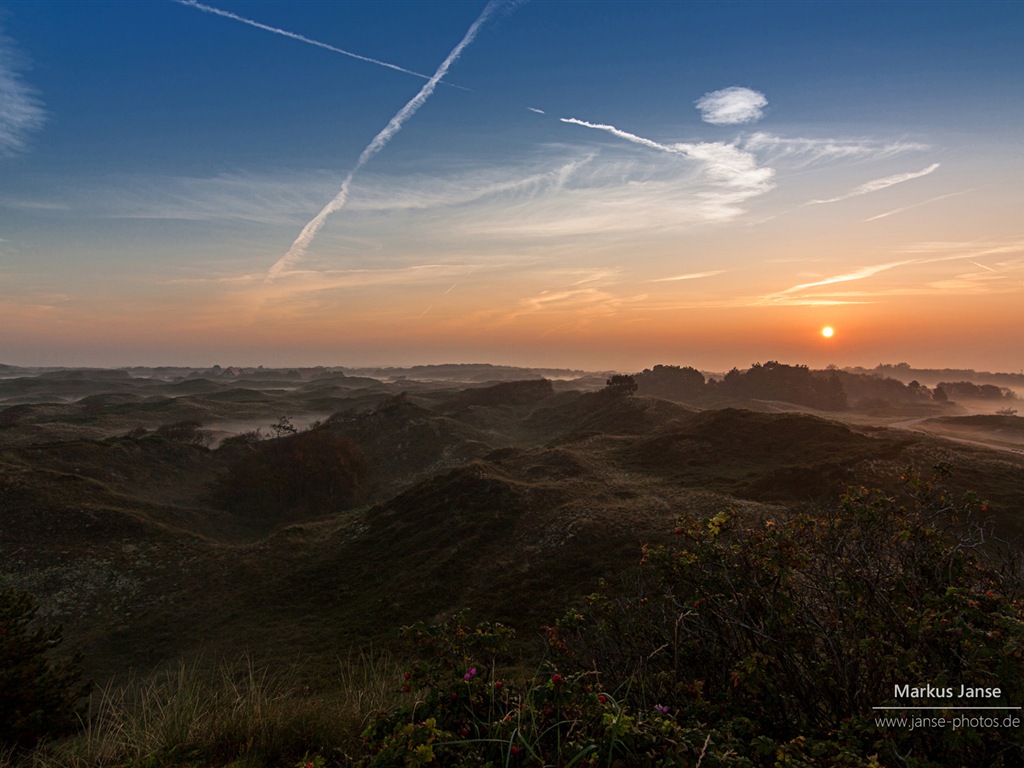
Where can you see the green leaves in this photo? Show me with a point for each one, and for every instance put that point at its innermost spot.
(39, 697)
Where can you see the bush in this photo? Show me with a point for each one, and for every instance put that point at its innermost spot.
(462, 711)
(187, 432)
(791, 629)
(39, 698)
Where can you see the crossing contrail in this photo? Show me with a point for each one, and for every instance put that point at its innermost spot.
(295, 36)
(309, 232)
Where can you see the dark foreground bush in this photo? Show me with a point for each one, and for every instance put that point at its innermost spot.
(39, 698)
(786, 632)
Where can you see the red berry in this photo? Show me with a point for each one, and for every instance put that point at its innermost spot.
(556, 679)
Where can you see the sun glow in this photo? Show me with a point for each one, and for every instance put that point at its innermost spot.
(827, 332)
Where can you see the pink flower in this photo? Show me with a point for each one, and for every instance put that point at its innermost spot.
(556, 680)
(470, 674)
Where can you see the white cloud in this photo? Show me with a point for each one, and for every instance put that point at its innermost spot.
(988, 280)
(814, 150)
(732, 106)
(21, 111)
(880, 184)
(918, 205)
(734, 173)
(690, 276)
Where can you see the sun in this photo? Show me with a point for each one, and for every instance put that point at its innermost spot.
(827, 331)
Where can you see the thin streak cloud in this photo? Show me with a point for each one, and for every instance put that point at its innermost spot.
(814, 150)
(309, 232)
(918, 205)
(294, 36)
(21, 111)
(859, 274)
(691, 276)
(879, 184)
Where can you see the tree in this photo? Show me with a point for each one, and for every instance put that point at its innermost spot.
(39, 698)
(671, 382)
(621, 384)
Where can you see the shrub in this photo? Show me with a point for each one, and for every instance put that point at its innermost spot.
(790, 629)
(39, 698)
(187, 432)
(462, 711)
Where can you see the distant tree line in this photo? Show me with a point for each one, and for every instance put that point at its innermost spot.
(831, 389)
(966, 390)
(769, 381)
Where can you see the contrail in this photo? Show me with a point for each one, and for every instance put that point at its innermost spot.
(300, 38)
(625, 135)
(879, 184)
(918, 205)
(302, 242)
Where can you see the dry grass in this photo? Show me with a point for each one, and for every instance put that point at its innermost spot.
(239, 715)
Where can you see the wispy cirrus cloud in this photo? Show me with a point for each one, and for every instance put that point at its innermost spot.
(988, 279)
(583, 300)
(887, 214)
(877, 185)
(690, 276)
(812, 150)
(735, 171)
(732, 106)
(21, 109)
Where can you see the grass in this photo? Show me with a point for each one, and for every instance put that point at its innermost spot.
(238, 714)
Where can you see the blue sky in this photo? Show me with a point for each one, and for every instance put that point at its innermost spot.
(603, 185)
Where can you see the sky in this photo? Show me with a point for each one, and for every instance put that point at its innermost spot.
(596, 185)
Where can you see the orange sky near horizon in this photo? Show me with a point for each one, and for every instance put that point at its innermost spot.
(586, 198)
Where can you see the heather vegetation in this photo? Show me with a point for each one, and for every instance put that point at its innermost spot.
(518, 573)
(739, 641)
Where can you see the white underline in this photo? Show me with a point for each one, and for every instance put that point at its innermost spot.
(950, 708)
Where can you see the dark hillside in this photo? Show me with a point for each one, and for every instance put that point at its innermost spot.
(509, 499)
